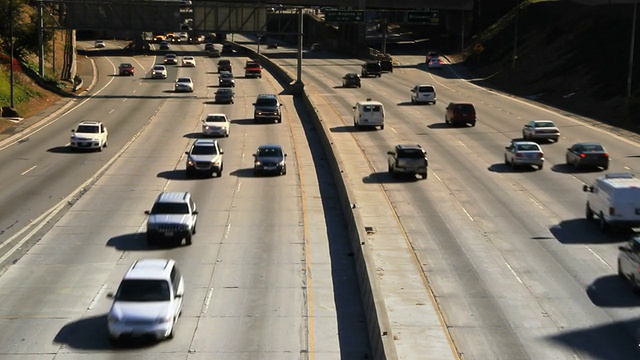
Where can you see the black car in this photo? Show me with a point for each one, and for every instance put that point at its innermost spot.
(270, 159)
(351, 79)
(227, 48)
(226, 79)
(371, 68)
(224, 96)
(587, 154)
(386, 65)
(224, 65)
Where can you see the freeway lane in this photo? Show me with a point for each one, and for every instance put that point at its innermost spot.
(516, 270)
(266, 277)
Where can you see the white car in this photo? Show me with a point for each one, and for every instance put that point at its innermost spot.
(98, 44)
(183, 84)
(541, 130)
(89, 135)
(435, 63)
(159, 72)
(216, 125)
(524, 153)
(423, 94)
(189, 61)
(148, 301)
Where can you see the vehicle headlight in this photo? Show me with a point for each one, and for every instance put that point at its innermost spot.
(257, 163)
(259, 112)
(152, 226)
(281, 163)
(216, 162)
(191, 162)
(112, 318)
(205, 127)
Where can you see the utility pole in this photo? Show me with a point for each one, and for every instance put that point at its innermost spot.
(11, 50)
(515, 37)
(633, 40)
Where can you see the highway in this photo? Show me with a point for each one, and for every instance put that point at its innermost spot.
(503, 257)
(516, 270)
(267, 275)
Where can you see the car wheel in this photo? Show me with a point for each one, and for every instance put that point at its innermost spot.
(620, 273)
(524, 135)
(556, 139)
(389, 169)
(513, 163)
(424, 175)
(434, 102)
(413, 101)
(381, 127)
(170, 336)
(540, 166)
(506, 161)
(588, 213)
(219, 173)
(604, 227)
(605, 167)
(473, 124)
(187, 241)
(284, 170)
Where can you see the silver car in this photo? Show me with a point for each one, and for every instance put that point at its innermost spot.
(520, 153)
(183, 84)
(541, 130)
(216, 125)
(159, 72)
(423, 94)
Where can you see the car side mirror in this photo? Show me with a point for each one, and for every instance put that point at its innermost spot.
(110, 295)
(186, 152)
(147, 212)
(221, 152)
(254, 104)
(285, 155)
(507, 147)
(390, 153)
(623, 248)
(195, 212)
(73, 130)
(587, 188)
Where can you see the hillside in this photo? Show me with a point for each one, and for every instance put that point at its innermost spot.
(570, 56)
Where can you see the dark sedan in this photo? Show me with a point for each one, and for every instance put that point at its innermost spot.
(351, 79)
(224, 96)
(587, 154)
(270, 159)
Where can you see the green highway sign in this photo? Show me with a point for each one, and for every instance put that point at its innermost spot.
(344, 16)
(423, 17)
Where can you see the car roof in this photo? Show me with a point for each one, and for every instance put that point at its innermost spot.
(90, 122)
(525, 143)
(183, 79)
(216, 114)
(270, 146)
(171, 55)
(224, 90)
(587, 143)
(352, 74)
(205, 142)
(408, 146)
(266, 96)
(152, 269)
(173, 197)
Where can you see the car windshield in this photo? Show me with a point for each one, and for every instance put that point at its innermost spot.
(351, 76)
(125, 65)
(204, 150)
(544, 124)
(527, 147)
(269, 152)
(188, 58)
(411, 153)
(370, 108)
(183, 80)
(591, 148)
(170, 208)
(425, 89)
(88, 129)
(224, 92)
(226, 76)
(158, 68)
(143, 291)
(266, 102)
(215, 119)
(464, 107)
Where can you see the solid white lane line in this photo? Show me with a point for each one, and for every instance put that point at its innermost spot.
(31, 168)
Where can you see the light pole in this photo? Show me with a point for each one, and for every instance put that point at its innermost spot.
(11, 50)
(515, 36)
(633, 40)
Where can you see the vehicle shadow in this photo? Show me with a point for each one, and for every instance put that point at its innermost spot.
(129, 242)
(197, 135)
(570, 169)
(90, 333)
(343, 129)
(439, 125)
(582, 231)
(384, 177)
(243, 173)
(61, 150)
(408, 103)
(243, 122)
(612, 291)
(173, 175)
(504, 168)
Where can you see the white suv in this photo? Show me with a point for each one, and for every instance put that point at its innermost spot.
(423, 94)
(148, 301)
(173, 217)
(90, 135)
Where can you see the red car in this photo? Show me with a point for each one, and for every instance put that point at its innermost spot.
(126, 69)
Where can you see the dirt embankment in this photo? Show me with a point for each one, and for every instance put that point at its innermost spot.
(570, 56)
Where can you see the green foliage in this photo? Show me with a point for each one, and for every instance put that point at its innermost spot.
(25, 27)
(21, 93)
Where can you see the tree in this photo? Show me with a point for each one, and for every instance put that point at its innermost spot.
(25, 28)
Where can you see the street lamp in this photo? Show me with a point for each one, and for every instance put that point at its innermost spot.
(11, 51)
(633, 39)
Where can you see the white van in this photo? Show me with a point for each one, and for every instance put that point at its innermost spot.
(368, 113)
(615, 200)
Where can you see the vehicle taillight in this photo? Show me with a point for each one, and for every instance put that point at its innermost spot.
(612, 211)
(519, 155)
(583, 155)
(605, 155)
(540, 155)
